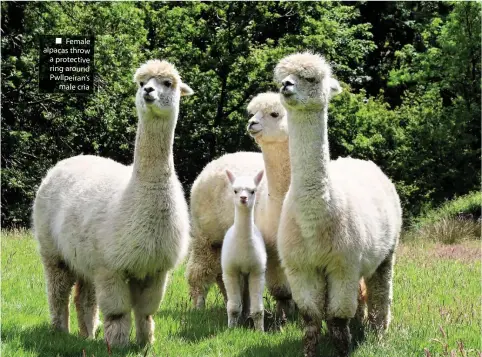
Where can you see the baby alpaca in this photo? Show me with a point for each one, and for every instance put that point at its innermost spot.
(117, 230)
(243, 255)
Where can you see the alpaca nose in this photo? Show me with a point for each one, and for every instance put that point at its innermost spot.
(243, 198)
(287, 83)
(252, 122)
(148, 89)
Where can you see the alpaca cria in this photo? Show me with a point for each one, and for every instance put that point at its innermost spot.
(340, 220)
(243, 255)
(117, 230)
(210, 221)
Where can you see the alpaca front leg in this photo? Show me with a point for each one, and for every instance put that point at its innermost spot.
(232, 283)
(278, 287)
(114, 299)
(309, 289)
(86, 305)
(202, 270)
(146, 297)
(222, 288)
(256, 288)
(343, 289)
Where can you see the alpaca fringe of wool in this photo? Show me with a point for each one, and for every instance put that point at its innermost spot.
(117, 230)
(341, 219)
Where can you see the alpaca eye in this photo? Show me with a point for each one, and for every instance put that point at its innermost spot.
(235, 191)
(311, 79)
(167, 83)
(252, 192)
(274, 115)
(142, 84)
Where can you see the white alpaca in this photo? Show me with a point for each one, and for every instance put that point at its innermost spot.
(211, 221)
(340, 220)
(243, 255)
(117, 229)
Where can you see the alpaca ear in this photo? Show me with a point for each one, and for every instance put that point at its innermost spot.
(258, 177)
(335, 87)
(185, 89)
(231, 176)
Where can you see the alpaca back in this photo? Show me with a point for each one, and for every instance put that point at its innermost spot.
(72, 205)
(367, 206)
(85, 213)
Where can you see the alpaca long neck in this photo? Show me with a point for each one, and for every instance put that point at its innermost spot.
(153, 159)
(277, 169)
(244, 221)
(309, 152)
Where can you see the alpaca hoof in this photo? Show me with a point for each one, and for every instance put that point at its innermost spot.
(117, 330)
(340, 335)
(200, 302)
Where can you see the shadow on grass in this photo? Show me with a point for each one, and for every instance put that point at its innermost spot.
(293, 347)
(42, 340)
(196, 324)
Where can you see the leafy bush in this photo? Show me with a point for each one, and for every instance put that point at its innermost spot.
(453, 222)
(447, 231)
(467, 207)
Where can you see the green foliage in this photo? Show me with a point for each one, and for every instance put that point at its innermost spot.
(453, 222)
(464, 207)
(411, 74)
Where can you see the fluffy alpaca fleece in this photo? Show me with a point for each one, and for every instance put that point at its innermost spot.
(117, 230)
(210, 221)
(340, 220)
(243, 255)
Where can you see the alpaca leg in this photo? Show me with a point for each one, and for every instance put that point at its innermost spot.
(60, 280)
(309, 289)
(203, 268)
(146, 297)
(246, 302)
(343, 288)
(234, 306)
(278, 286)
(222, 288)
(114, 299)
(379, 287)
(361, 311)
(256, 289)
(86, 305)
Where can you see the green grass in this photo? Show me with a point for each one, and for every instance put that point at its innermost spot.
(436, 311)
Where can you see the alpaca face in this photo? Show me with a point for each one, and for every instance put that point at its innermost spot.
(160, 94)
(306, 81)
(297, 92)
(159, 87)
(244, 188)
(268, 121)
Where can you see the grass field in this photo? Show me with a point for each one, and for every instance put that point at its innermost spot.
(436, 312)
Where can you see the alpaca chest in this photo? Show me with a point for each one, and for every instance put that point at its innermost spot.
(151, 237)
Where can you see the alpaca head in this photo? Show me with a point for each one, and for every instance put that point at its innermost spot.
(306, 81)
(160, 87)
(244, 188)
(268, 119)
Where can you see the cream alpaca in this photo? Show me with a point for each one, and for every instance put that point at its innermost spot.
(211, 221)
(117, 230)
(340, 220)
(243, 256)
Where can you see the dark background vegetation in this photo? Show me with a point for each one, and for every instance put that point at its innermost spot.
(411, 73)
